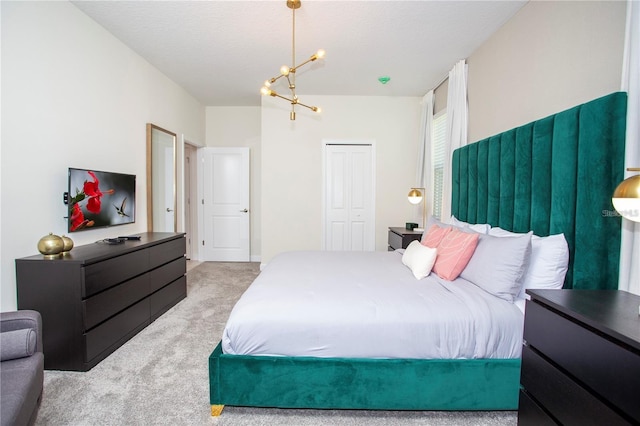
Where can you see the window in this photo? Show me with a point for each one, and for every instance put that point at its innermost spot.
(438, 136)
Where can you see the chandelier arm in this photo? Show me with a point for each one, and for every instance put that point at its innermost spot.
(311, 59)
(274, 79)
(283, 97)
(312, 108)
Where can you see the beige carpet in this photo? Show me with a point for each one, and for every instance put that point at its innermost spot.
(160, 376)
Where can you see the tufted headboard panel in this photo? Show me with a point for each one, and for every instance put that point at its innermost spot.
(554, 175)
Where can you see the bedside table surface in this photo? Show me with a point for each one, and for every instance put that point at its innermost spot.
(613, 312)
(404, 231)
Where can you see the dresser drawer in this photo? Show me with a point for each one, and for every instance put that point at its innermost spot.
(561, 395)
(108, 303)
(165, 298)
(531, 414)
(102, 275)
(606, 367)
(167, 273)
(166, 252)
(117, 330)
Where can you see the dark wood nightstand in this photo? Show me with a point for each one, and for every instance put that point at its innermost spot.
(402, 237)
(581, 358)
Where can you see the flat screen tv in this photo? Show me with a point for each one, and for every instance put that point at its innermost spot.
(98, 199)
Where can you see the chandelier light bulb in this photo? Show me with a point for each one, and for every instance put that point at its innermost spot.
(316, 109)
(265, 91)
(320, 54)
(267, 83)
(284, 70)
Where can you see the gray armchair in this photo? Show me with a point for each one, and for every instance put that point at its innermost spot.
(21, 367)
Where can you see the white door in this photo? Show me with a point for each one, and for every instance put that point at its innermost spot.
(349, 197)
(226, 205)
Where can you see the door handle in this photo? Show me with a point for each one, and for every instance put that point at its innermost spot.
(244, 211)
(169, 210)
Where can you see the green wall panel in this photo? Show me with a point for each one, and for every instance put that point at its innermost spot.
(483, 183)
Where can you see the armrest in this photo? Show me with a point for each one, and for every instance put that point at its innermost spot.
(18, 320)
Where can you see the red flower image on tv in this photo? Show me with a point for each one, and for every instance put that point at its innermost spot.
(92, 190)
(92, 193)
(77, 218)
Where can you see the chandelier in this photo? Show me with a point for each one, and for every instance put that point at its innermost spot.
(290, 72)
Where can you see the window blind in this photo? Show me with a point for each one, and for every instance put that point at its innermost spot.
(438, 135)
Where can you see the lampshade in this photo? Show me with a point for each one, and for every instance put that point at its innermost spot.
(626, 197)
(415, 196)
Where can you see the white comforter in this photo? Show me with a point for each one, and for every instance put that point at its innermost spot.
(367, 305)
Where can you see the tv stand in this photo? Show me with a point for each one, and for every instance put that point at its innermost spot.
(98, 296)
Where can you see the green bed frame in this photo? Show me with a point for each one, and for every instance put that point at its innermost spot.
(373, 384)
(553, 175)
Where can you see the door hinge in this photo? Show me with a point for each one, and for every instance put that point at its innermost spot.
(202, 242)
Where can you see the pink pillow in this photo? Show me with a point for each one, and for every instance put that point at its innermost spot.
(435, 236)
(454, 252)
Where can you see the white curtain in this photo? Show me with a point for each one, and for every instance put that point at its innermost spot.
(457, 123)
(630, 247)
(424, 175)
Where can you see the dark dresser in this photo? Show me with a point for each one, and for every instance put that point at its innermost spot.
(98, 296)
(581, 358)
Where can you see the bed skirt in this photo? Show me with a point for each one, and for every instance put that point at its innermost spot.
(372, 384)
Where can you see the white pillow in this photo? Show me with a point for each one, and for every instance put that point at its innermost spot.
(499, 232)
(499, 264)
(480, 228)
(548, 263)
(419, 259)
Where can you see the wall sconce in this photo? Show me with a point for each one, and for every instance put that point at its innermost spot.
(626, 197)
(417, 196)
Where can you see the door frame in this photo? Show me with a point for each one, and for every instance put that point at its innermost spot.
(190, 198)
(358, 142)
(185, 143)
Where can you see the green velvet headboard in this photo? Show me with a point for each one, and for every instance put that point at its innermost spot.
(554, 175)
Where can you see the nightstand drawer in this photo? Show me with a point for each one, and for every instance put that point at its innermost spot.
(395, 240)
(560, 394)
(401, 237)
(606, 367)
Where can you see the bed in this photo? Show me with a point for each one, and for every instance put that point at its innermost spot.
(552, 176)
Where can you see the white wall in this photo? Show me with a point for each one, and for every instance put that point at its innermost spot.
(72, 96)
(550, 56)
(240, 127)
(292, 164)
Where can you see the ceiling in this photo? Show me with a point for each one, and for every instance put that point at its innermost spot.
(221, 52)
